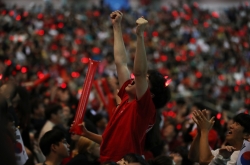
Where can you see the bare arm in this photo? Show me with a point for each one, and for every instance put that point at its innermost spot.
(140, 62)
(194, 152)
(94, 137)
(205, 125)
(120, 55)
(90, 135)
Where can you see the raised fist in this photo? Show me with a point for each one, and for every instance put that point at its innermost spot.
(141, 25)
(116, 17)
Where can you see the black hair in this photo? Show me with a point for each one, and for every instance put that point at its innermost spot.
(158, 88)
(183, 151)
(35, 104)
(161, 160)
(97, 118)
(134, 158)
(244, 120)
(51, 137)
(153, 138)
(52, 109)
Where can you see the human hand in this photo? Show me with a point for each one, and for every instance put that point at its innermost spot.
(84, 130)
(202, 121)
(116, 17)
(226, 151)
(141, 26)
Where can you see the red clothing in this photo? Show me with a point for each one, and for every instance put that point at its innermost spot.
(126, 130)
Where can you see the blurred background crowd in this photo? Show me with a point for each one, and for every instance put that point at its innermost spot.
(205, 55)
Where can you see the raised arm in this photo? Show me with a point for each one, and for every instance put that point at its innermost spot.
(194, 152)
(205, 125)
(120, 55)
(140, 62)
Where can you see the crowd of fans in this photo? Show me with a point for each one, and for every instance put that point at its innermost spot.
(205, 56)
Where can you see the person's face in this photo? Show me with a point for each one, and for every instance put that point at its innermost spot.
(62, 149)
(58, 117)
(130, 89)
(168, 131)
(102, 123)
(177, 158)
(122, 162)
(63, 95)
(95, 151)
(235, 133)
(40, 110)
(66, 112)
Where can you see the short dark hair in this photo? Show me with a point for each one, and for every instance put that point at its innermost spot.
(51, 137)
(158, 88)
(35, 104)
(244, 120)
(134, 158)
(52, 109)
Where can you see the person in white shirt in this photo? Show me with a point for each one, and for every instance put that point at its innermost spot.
(227, 155)
(54, 117)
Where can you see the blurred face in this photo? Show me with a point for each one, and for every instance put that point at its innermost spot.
(176, 158)
(58, 118)
(235, 133)
(130, 89)
(66, 112)
(95, 151)
(102, 123)
(122, 162)
(62, 149)
(168, 131)
(40, 110)
(63, 95)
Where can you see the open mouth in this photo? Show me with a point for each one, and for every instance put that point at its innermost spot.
(229, 132)
(132, 82)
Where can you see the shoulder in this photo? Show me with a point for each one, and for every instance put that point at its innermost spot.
(235, 155)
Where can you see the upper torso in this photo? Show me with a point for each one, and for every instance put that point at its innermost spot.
(127, 127)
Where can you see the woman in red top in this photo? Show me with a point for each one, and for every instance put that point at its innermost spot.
(140, 97)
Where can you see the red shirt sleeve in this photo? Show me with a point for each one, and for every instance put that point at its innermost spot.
(122, 93)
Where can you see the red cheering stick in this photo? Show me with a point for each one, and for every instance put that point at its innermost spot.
(100, 93)
(111, 102)
(32, 84)
(39, 81)
(81, 109)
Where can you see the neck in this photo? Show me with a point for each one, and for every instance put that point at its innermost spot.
(237, 144)
(53, 159)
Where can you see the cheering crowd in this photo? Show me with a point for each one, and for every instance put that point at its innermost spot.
(177, 83)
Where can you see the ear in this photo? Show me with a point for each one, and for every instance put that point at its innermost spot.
(53, 147)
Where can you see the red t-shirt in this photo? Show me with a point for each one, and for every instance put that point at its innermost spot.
(126, 130)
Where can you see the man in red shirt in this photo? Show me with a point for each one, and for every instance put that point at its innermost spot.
(140, 97)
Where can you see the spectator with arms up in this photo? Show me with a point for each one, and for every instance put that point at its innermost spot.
(227, 155)
(136, 114)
